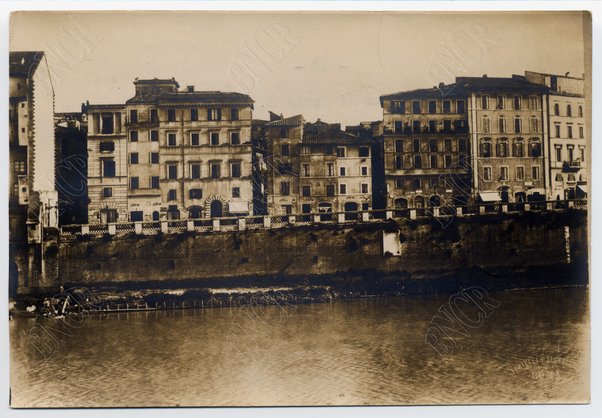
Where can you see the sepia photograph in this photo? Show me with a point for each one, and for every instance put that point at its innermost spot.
(298, 208)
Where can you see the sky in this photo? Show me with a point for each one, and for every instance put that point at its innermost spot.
(332, 66)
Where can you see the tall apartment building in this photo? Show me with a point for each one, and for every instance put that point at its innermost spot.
(176, 154)
(283, 140)
(509, 135)
(107, 164)
(568, 134)
(31, 132)
(480, 139)
(425, 146)
(335, 170)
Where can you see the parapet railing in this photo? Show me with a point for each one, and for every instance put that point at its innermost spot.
(280, 221)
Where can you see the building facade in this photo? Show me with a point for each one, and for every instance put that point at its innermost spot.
(425, 147)
(335, 170)
(107, 164)
(509, 136)
(32, 202)
(568, 134)
(283, 142)
(178, 154)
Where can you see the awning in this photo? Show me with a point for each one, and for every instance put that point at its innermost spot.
(238, 207)
(582, 189)
(487, 197)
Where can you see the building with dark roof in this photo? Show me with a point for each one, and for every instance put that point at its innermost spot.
(478, 139)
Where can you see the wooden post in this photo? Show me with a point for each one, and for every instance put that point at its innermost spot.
(138, 227)
(267, 222)
(242, 224)
(412, 213)
(112, 229)
(215, 224)
(164, 227)
(85, 229)
(189, 225)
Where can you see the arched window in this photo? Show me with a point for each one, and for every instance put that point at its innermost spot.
(580, 111)
(435, 201)
(419, 202)
(534, 148)
(501, 148)
(559, 177)
(569, 110)
(400, 203)
(556, 109)
(485, 147)
(518, 147)
(155, 216)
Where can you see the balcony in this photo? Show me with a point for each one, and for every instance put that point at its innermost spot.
(142, 121)
(571, 166)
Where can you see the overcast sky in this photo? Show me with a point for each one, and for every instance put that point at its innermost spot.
(329, 66)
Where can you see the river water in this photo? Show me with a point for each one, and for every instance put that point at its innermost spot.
(533, 348)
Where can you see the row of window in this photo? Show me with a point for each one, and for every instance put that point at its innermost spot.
(341, 151)
(194, 138)
(569, 110)
(108, 170)
(502, 147)
(431, 145)
(421, 184)
(307, 172)
(285, 189)
(431, 126)
(418, 162)
(501, 102)
(213, 114)
(172, 194)
(504, 173)
(569, 131)
(445, 106)
(503, 128)
(570, 153)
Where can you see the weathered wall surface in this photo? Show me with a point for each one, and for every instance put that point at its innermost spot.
(427, 251)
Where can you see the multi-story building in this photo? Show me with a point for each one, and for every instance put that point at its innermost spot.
(283, 141)
(482, 140)
(567, 133)
(175, 154)
(31, 136)
(335, 169)
(425, 147)
(107, 164)
(508, 131)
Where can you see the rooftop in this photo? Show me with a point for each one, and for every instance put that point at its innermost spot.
(467, 85)
(333, 137)
(290, 121)
(24, 63)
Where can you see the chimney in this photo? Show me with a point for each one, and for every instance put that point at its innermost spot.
(190, 89)
(484, 75)
(441, 85)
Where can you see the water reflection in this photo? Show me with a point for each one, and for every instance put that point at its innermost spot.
(534, 348)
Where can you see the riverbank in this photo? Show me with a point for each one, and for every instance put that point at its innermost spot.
(294, 290)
